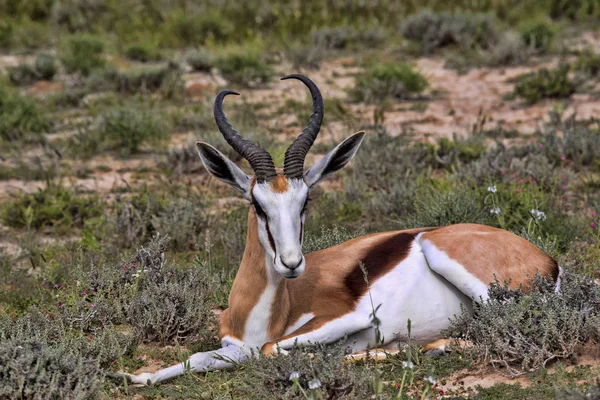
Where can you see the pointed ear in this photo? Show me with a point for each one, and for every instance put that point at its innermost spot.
(335, 160)
(223, 168)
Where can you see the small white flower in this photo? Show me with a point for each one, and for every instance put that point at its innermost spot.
(431, 380)
(294, 375)
(314, 384)
(492, 189)
(135, 275)
(145, 270)
(138, 271)
(408, 364)
(495, 211)
(539, 214)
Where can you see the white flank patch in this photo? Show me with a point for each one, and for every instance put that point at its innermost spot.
(454, 272)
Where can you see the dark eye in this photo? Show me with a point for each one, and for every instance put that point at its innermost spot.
(259, 210)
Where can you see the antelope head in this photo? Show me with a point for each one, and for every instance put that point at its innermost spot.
(279, 197)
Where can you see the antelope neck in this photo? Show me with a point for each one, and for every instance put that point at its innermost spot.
(259, 300)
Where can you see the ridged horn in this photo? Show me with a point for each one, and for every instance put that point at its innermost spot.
(260, 160)
(293, 164)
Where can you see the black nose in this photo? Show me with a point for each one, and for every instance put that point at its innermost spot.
(292, 264)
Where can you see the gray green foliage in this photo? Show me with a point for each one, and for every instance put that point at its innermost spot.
(528, 329)
(175, 310)
(83, 54)
(200, 60)
(337, 379)
(437, 30)
(21, 117)
(545, 83)
(382, 81)
(122, 129)
(538, 34)
(244, 68)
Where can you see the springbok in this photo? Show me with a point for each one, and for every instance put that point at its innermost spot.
(281, 297)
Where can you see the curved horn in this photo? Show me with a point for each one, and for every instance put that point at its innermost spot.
(293, 164)
(260, 160)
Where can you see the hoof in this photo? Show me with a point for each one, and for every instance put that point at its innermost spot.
(435, 353)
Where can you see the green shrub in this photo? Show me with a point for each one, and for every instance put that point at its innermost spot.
(45, 66)
(147, 78)
(545, 83)
(200, 60)
(191, 29)
(52, 207)
(526, 331)
(466, 150)
(329, 237)
(175, 309)
(244, 68)
(327, 371)
(22, 74)
(593, 393)
(122, 129)
(437, 30)
(83, 54)
(20, 117)
(439, 206)
(142, 52)
(573, 140)
(538, 34)
(41, 357)
(588, 63)
(344, 37)
(306, 55)
(387, 80)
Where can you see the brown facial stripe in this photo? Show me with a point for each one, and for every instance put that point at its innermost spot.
(379, 260)
(271, 240)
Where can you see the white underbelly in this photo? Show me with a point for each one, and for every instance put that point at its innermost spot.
(412, 291)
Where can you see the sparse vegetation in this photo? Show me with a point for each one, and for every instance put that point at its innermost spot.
(523, 331)
(468, 31)
(201, 60)
(117, 249)
(545, 83)
(83, 54)
(244, 68)
(20, 117)
(121, 129)
(538, 34)
(383, 81)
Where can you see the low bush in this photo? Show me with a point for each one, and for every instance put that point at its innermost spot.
(176, 309)
(41, 357)
(545, 83)
(298, 375)
(588, 63)
(26, 74)
(185, 28)
(45, 66)
(150, 78)
(83, 54)
(200, 60)
(143, 52)
(21, 117)
(382, 81)
(53, 207)
(441, 206)
(345, 37)
(538, 34)
(328, 237)
(525, 330)
(122, 129)
(244, 68)
(437, 30)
